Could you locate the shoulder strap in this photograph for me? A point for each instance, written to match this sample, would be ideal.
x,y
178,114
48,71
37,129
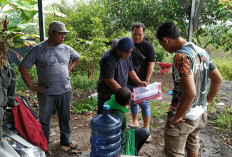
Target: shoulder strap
x,y
11,92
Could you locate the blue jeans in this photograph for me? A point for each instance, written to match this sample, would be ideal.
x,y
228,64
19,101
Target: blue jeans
x,y
63,105
143,105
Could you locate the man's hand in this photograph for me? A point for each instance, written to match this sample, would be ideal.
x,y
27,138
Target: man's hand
x,y
148,82
37,88
172,121
142,83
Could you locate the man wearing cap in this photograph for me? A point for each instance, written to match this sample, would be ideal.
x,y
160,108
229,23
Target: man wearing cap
x,y
143,57
51,59
115,68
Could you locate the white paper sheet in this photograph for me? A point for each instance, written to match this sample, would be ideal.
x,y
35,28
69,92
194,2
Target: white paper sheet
x,y
151,91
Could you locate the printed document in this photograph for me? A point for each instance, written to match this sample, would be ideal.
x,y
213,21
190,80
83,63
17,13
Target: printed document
x,y
151,91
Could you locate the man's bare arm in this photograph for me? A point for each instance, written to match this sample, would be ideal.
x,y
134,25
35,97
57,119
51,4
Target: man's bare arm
x,y
135,78
26,78
73,64
112,84
186,99
216,80
150,70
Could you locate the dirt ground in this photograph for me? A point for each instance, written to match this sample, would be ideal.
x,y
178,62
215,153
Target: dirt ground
x,y
213,143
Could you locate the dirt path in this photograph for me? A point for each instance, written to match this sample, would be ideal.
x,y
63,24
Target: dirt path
x,y
212,142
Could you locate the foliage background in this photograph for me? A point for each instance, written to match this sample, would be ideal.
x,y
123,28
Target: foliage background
x,y
95,23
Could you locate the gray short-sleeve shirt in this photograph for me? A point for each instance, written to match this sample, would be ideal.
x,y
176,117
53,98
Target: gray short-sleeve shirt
x,y
51,65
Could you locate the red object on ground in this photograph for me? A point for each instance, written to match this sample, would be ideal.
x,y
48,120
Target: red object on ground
x,y
164,67
28,127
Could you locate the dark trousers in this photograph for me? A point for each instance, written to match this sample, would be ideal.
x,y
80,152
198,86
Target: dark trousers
x,y
141,135
63,105
102,98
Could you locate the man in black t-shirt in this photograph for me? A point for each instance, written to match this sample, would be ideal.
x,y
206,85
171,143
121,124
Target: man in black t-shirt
x,y
143,57
115,68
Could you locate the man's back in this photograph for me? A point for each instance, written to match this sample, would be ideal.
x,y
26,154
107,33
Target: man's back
x,y
191,60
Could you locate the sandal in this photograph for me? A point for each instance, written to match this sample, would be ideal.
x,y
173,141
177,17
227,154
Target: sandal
x,y
71,146
132,127
149,139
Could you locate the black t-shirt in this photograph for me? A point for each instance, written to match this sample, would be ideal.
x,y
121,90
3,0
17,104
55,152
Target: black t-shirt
x,y
112,66
141,55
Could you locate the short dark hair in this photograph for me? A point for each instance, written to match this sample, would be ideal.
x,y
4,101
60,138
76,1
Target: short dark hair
x,y
167,29
122,96
137,25
49,31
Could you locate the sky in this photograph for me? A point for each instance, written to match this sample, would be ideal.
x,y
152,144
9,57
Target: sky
x,y
56,1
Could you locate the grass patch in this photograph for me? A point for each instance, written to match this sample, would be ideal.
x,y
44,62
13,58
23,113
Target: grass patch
x,y
224,122
225,67
87,105
81,80
221,117
159,109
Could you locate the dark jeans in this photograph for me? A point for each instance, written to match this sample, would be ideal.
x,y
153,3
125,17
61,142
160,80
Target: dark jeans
x,y
141,135
102,98
63,105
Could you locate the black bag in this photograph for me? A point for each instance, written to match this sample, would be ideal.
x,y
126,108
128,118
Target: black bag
x,y
138,60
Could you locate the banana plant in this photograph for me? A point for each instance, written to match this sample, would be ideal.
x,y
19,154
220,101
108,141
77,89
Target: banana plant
x,y
19,27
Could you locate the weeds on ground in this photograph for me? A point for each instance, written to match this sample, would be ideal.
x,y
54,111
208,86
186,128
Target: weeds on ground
x,y
88,105
81,80
165,87
158,109
224,121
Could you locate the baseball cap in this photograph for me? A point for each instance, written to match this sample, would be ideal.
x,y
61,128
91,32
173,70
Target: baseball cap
x,y
58,26
125,44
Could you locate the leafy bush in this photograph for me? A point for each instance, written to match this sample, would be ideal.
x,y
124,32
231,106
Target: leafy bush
x,y
80,79
162,55
90,51
87,105
225,67
20,85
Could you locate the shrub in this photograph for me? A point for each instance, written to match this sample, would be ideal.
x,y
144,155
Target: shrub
x,y
225,67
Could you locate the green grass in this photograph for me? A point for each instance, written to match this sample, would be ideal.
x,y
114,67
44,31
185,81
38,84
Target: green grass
x,y
81,80
225,67
224,121
20,85
158,109
87,105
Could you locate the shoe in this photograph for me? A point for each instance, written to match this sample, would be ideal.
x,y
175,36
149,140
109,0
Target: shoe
x,y
71,146
149,139
132,127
